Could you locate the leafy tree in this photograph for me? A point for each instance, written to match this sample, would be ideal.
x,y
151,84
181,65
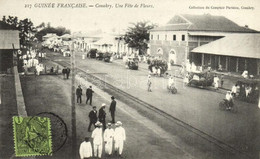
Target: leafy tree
x,y
137,36
25,27
43,30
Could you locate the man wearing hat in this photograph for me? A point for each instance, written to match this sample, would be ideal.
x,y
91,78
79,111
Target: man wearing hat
x,y
97,140
119,138
108,139
89,94
102,115
92,117
85,150
79,93
112,109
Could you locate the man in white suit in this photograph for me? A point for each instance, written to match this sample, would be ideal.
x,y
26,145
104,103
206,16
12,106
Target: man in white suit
x,y
97,136
108,139
119,138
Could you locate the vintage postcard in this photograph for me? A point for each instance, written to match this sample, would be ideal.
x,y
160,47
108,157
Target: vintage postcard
x,y
132,79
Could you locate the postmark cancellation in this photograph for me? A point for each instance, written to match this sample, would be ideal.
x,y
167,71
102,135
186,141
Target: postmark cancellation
x,y
32,136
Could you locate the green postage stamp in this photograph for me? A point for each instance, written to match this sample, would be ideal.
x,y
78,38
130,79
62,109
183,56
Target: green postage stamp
x,y
32,136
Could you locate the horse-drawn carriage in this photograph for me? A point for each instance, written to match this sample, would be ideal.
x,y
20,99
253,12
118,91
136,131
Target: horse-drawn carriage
x,y
200,79
132,63
103,56
92,53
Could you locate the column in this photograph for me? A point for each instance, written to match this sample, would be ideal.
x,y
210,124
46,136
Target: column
x,y
202,60
227,68
246,65
219,60
237,65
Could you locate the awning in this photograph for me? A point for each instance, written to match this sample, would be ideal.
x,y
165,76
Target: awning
x,y
238,45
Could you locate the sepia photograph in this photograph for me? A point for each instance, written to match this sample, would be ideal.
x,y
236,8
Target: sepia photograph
x,y
129,79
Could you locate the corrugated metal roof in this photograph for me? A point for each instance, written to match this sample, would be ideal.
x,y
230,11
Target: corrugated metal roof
x,y
9,37
204,22
239,45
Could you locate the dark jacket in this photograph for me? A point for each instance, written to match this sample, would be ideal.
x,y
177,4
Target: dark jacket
x,y
93,116
64,70
89,92
101,115
112,107
68,70
79,92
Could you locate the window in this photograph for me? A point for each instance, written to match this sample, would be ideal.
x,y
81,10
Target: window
x,y
174,37
151,36
183,38
165,37
158,37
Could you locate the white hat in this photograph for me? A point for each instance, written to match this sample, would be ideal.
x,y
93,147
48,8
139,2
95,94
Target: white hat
x,y
118,123
97,123
103,104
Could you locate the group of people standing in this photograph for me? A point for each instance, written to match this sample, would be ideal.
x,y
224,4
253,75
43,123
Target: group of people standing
x,y
89,94
110,138
103,134
100,116
66,72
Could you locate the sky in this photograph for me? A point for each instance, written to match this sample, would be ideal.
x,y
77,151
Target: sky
x,y
107,19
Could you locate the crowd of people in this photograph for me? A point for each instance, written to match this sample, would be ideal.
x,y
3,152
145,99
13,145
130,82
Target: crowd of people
x,y
103,133
157,67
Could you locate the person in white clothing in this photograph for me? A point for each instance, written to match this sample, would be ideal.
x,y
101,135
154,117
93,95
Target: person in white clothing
x,y
97,140
85,149
245,74
170,81
108,139
234,90
119,138
248,90
216,81
229,100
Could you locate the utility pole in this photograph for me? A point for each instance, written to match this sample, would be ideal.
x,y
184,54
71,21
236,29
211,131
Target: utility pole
x,y
73,111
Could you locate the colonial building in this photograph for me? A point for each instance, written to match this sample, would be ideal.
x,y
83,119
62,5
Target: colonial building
x,y
9,44
113,43
174,41
232,53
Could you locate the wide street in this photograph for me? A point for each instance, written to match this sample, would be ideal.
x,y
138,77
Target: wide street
x,y
195,106
149,135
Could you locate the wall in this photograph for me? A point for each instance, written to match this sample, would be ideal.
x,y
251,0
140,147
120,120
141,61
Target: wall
x,y
6,60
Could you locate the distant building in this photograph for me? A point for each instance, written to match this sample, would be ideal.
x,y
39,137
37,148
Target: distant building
x,y
104,42
48,36
174,41
9,44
